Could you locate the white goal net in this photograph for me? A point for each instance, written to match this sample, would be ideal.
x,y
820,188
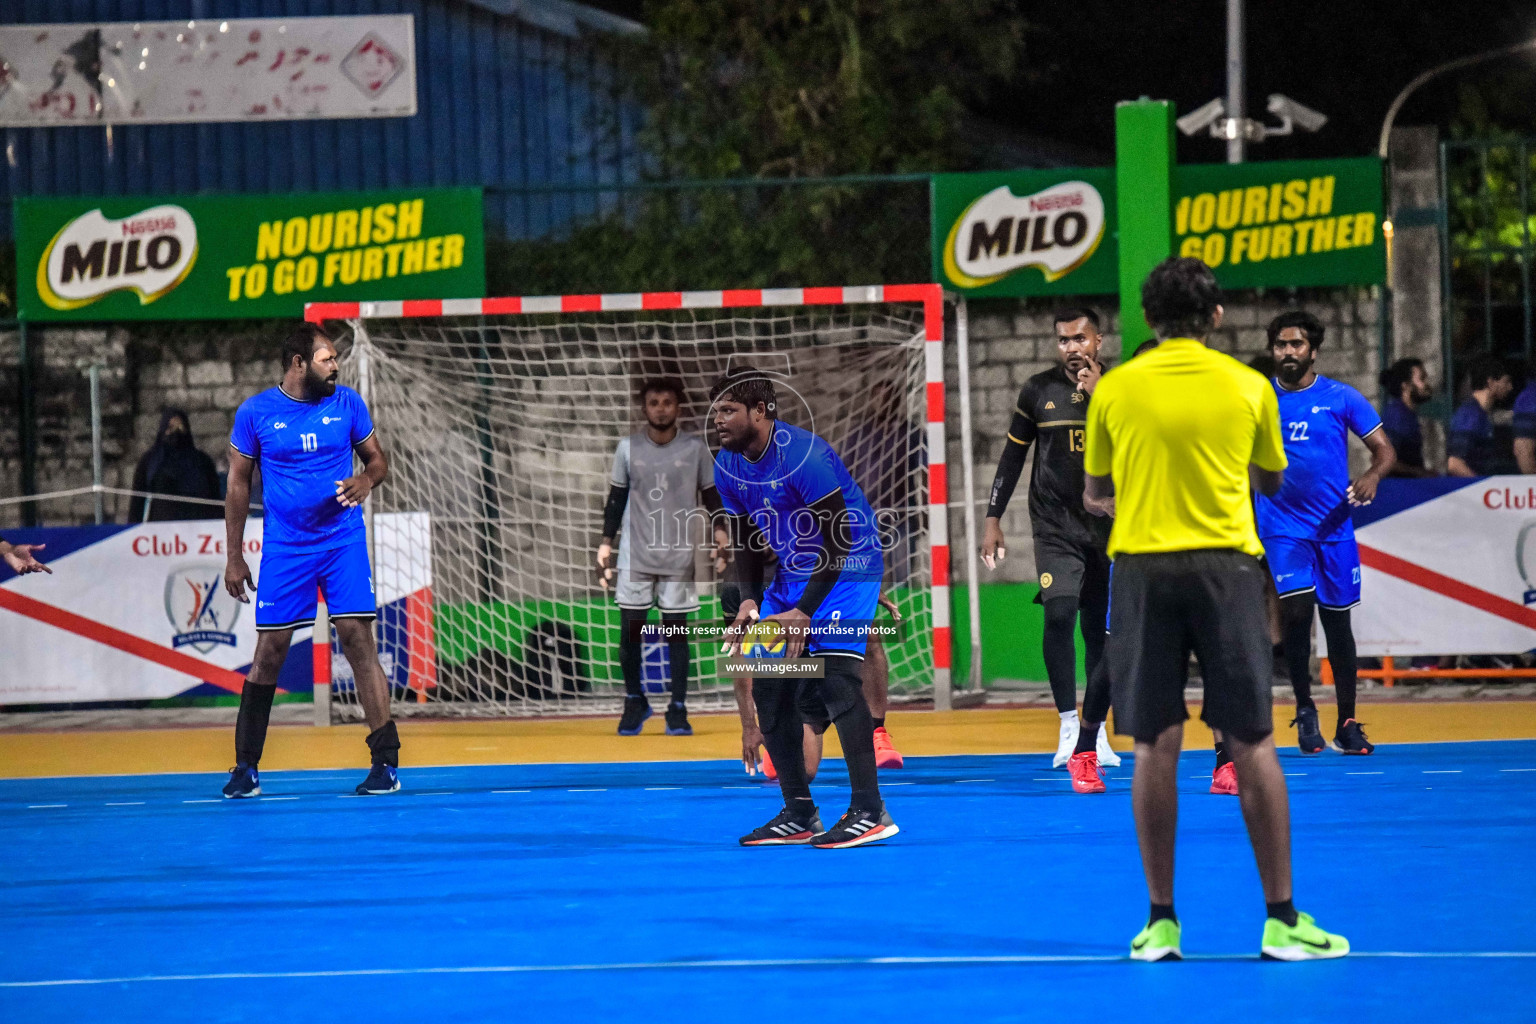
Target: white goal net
x,y
500,427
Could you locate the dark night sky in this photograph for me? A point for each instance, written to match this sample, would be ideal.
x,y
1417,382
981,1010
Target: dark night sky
x,y
1346,58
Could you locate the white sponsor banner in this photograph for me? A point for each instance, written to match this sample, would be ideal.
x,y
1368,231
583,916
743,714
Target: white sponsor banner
x,y
1455,574
244,69
157,589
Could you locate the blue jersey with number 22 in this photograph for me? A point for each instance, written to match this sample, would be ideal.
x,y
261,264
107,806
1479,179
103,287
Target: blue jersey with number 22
x,y
303,449
1315,423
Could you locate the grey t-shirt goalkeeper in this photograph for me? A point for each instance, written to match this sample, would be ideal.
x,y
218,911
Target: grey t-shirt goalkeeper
x,y
664,482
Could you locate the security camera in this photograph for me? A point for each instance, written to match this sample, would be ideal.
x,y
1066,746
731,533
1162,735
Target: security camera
x,y
1201,118
1288,110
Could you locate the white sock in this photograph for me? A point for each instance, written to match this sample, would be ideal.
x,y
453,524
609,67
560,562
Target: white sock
x,y
1069,716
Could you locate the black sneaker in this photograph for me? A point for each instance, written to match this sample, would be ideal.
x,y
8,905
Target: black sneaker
x,y
243,782
855,829
1350,739
381,779
785,830
636,711
1308,736
677,720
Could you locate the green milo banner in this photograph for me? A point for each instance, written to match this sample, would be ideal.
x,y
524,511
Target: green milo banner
x,y
209,257
1280,224
1025,232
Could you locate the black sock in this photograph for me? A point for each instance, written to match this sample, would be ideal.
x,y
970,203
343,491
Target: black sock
x,y
1060,650
1296,629
879,722
1222,757
677,658
783,737
856,732
251,723
1162,912
1341,657
1284,911
384,745
1087,736
630,622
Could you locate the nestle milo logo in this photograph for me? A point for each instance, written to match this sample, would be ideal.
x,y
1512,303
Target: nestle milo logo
x,y
92,256
1055,229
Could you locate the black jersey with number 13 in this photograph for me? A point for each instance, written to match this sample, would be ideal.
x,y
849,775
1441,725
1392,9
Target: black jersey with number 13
x,y
1052,414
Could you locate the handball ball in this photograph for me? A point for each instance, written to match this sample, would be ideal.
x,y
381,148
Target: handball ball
x,y
763,639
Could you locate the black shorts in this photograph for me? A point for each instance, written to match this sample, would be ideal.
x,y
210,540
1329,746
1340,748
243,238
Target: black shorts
x,y
1071,564
816,701
1167,606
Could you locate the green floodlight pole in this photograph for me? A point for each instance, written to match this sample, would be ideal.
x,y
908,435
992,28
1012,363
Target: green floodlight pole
x,y
1143,169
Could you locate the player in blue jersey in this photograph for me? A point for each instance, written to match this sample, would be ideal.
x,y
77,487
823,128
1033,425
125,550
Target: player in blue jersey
x,y
304,434
1309,538
785,488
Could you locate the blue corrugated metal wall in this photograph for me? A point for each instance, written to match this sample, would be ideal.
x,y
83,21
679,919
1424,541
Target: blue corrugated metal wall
x,y
500,102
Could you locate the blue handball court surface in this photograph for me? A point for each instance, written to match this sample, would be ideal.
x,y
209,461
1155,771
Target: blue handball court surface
x,y
617,892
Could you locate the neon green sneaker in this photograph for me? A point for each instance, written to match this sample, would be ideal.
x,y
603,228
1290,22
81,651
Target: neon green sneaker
x,y
1159,940
1306,941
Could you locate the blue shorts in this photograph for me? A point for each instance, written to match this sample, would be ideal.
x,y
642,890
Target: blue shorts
x,y
285,592
1330,567
841,622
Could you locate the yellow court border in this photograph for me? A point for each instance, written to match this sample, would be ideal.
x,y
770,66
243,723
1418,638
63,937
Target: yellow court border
x,y
717,736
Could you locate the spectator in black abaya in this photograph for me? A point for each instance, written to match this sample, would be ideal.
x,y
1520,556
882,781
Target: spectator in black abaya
x,y
174,467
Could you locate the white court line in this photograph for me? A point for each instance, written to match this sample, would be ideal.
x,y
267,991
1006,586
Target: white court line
x,y
888,785
1365,773
204,801
586,791
975,780
125,803
39,807
661,789
1295,775
1517,769
660,965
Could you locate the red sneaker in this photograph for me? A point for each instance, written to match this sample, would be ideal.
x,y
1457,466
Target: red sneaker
x,y
886,754
1085,772
1224,780
765,766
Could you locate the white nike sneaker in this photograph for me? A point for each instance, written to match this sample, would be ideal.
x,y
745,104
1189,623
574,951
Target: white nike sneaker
x,y
1107,756
1067,743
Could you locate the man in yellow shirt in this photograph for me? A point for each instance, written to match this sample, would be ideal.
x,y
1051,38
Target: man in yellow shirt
x,y
1175,437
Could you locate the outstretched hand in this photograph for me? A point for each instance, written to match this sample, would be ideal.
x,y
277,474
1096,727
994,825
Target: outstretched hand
x,y
22,561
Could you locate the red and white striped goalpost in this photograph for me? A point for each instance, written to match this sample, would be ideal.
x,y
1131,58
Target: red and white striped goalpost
x,y
931,296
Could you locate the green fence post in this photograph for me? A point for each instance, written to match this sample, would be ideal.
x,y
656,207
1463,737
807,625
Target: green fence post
x,y
1144,183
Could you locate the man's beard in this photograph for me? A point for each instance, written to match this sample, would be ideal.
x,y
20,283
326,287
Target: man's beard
x,y
1292,371
1075,364
318,386
737,445
661,424
1419,397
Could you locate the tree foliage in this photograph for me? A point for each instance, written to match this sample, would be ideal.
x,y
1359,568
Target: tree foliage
x,y
770,89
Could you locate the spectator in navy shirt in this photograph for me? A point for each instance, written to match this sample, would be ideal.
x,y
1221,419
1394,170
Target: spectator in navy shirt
x,y
1406,386
1525,426
1471,448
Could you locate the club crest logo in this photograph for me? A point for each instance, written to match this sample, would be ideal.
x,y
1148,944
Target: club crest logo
x,y
1055,229
201,611
93,256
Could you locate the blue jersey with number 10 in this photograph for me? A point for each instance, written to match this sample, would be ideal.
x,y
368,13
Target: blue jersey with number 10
x,y
303,449
1315,423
